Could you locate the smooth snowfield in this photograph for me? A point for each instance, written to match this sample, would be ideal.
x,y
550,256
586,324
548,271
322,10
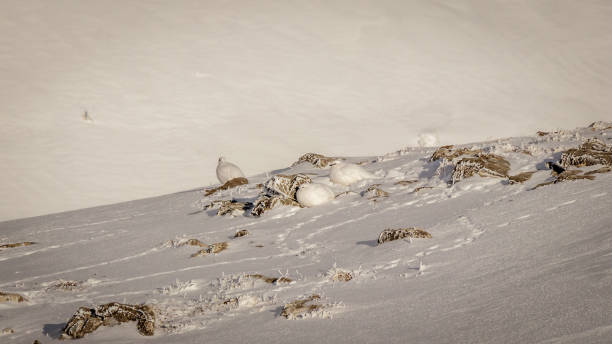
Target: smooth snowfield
x,y
170,85
505,264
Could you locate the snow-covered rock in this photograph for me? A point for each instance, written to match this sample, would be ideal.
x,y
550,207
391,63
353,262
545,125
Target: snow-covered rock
x,y
227,171
311,195
346,173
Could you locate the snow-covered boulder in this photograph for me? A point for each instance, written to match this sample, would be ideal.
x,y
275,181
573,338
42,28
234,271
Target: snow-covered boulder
x,y
313,194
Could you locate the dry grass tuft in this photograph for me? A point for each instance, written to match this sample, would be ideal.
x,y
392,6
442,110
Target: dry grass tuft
x,y
318,160
341,276
191,242
87,320
565,176
406,182
271,280
279,190
604,169
7,330
301,308
241,233
543,133
448,153
521,177
18,244
232,183
400,233
422,188
211,249
591,152
485,165
65,285
11,298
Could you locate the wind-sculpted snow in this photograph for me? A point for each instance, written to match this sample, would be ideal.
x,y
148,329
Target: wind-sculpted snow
x,y
481,251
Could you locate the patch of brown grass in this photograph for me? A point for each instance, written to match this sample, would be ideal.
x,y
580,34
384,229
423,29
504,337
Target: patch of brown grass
x,y
591,152
17,244
565,176
485,165
450,153
400,233
422,188
7,330
405,182
241,233
211,249
318,160
271,280
604,169
521,177
232,183
87,320
341,276
301,308
11,298
191,242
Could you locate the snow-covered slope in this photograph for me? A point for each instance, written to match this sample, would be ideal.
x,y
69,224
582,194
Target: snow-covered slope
x,y
170,85
505,263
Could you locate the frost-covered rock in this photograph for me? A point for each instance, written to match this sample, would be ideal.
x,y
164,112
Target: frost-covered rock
x,y
313,194
346,173
87,320
227,171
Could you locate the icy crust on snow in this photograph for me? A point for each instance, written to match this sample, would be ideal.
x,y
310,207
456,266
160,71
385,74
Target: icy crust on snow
x,y
480,239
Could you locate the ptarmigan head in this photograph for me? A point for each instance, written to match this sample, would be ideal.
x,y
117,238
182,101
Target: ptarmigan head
x,y
221,159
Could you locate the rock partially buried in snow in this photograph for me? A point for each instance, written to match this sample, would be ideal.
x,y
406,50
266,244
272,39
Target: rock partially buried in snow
x,y
227,171
346,173
314,194
318,160
11,298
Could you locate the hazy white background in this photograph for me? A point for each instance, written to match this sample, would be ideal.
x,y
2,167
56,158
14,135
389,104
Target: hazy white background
x,y
173,85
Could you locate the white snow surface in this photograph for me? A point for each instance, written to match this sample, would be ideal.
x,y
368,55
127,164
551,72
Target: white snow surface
x,y
505,264
314,194
169,86
227,171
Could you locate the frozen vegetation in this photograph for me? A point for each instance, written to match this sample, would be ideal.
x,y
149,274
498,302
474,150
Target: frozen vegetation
x,y
416,255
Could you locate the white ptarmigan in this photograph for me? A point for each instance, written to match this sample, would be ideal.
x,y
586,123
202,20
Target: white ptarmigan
x,y
227,171
346,173
313,194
